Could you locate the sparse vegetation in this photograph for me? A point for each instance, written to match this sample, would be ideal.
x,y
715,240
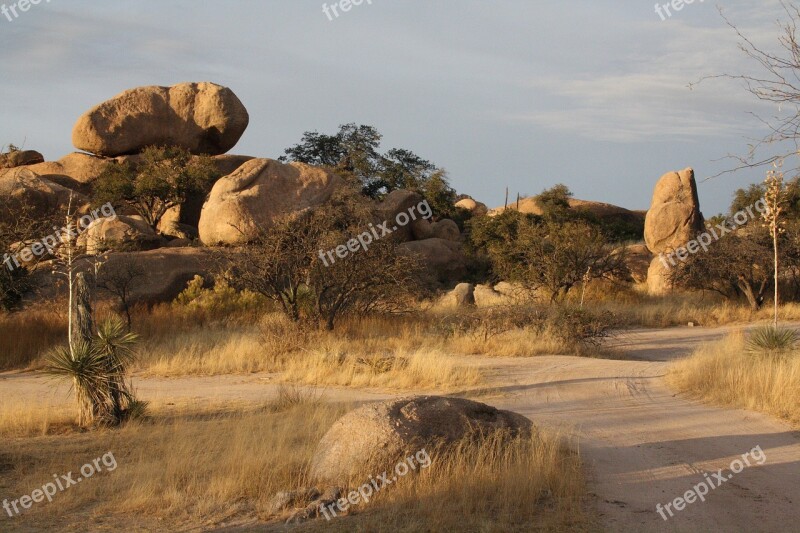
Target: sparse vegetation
x,y
217,466
726,373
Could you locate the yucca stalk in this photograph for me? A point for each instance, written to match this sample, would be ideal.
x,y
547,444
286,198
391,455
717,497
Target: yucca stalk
x,y
774,198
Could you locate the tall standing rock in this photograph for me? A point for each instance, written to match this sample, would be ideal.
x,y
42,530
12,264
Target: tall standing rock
x,y
674,217
673,220
203,118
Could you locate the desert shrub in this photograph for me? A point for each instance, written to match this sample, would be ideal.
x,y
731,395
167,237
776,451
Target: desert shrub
x,y
724,373
97,370
219,300
772,340
165,177
572,327
483,324
579,326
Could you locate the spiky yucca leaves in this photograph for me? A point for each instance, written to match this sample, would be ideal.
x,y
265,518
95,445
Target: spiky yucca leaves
x,y
86,366
97,370
116,344
772,340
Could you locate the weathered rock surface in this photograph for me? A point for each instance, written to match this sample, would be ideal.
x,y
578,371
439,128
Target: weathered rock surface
x,y
403,201
19,158
24,191
374,438
443,257
203,118
478,209
658,282
82,168
167,271
121,233
674,217
257,193
446,229
638,259
464,294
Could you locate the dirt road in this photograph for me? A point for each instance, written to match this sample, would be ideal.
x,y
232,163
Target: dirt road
x,y
643,445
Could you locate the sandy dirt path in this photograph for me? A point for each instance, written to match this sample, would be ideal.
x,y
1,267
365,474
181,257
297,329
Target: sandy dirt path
x,y
643,444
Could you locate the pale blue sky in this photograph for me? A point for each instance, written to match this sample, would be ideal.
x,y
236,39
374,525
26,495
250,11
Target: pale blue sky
x,y
517,93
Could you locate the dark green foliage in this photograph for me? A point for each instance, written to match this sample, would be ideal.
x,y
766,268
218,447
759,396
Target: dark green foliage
x,y
542,253
164,178
354,153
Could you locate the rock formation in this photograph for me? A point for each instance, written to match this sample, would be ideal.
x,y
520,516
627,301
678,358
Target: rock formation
x,y
203,118
373,438
258,192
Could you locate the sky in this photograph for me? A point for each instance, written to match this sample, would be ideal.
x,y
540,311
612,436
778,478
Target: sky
x,y
521,94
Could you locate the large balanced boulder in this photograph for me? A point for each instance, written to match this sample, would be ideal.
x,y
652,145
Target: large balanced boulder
x,y
374,438
674,217
203,118
257,193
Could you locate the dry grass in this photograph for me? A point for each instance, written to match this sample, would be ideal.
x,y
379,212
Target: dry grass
x,y
635,308
25,336
18,419
202,470
724,373
308,356
492,486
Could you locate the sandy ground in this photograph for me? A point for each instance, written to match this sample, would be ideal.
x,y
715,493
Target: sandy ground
x,y
643,444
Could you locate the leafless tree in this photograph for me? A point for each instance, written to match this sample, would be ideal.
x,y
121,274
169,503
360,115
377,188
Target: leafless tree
x,y
119,276
777,83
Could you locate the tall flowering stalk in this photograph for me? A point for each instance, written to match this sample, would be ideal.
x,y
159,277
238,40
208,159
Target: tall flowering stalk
x,y
775,198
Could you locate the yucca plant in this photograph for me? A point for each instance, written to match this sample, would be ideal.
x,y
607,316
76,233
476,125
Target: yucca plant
x,y
86,366
772,340
116,344
97,370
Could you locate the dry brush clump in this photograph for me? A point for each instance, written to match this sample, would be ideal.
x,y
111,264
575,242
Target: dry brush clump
x,y
215,468
728,373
